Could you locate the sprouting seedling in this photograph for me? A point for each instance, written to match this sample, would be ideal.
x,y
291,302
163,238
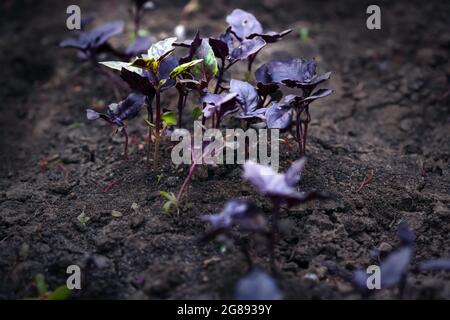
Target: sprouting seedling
x,y
60,293
90,44
295,73
171,203
237,213
394,268
151,75
280,189
258,285
137,11
117,113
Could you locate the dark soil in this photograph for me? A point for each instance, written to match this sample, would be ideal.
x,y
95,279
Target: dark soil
x,y
389,115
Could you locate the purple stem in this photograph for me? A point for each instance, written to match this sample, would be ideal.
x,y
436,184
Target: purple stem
x,y
187,181
125,134
274,232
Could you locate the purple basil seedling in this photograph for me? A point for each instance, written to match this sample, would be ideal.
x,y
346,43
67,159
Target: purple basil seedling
x,y
91,43
236,213
394,268
295,73
117,113
152,74
137,10
280,189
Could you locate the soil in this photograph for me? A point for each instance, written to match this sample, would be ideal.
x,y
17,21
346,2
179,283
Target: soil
x,y
389,115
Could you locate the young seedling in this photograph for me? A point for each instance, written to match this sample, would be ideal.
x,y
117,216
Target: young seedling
x,y
60,293
171,203
280,189
151,75
394,268
236,213
117,113
137,11
91,44
295,73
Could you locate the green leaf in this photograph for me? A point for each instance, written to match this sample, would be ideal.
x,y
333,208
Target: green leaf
x,y
40,284
145,63
209,68
166,206
116,214
74,125
161,49
118,65
304,35
162,82
169,119
151,125
183,67
143,33
169,196
196,113
83,218
60,293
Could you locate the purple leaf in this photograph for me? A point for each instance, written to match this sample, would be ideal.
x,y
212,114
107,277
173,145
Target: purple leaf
x,y
118,112
138,82
248,98
92,115
393,270
441,264
94,39
228,38
222,105
247,48
321,93
395,267
247,95
293,73
193,46
293,174
243,23
235,212
219,47
266,89
270,36
258,285
279,186
278,116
